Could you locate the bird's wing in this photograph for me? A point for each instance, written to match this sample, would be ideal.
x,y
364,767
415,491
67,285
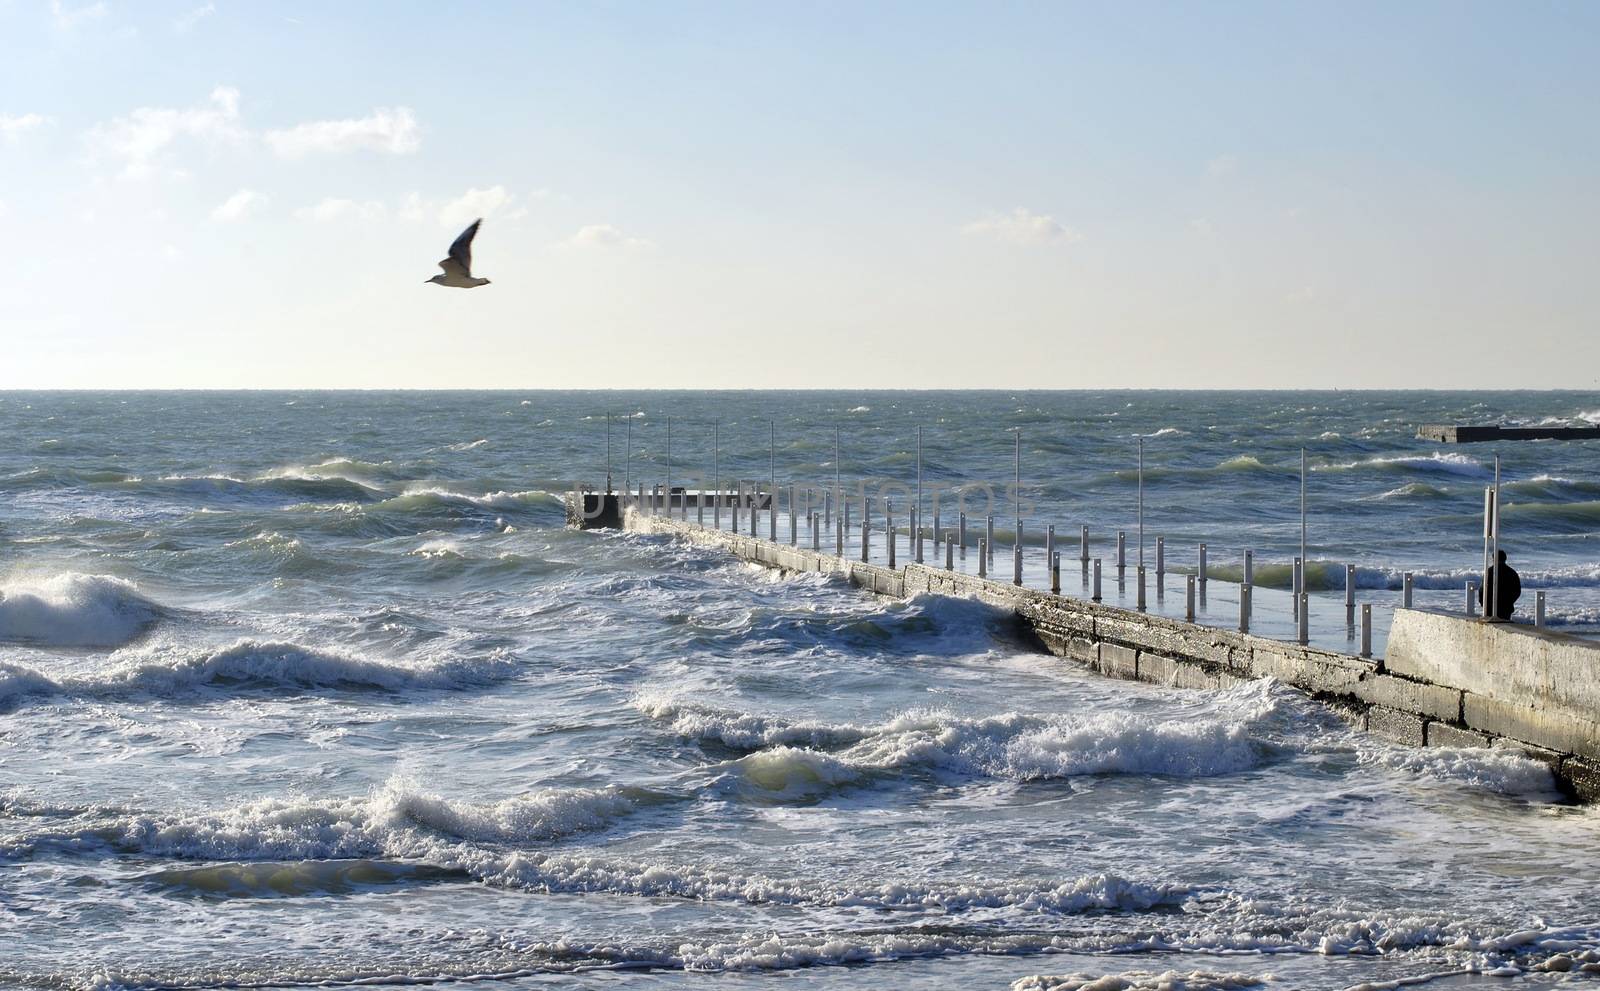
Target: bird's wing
x,y
454,268
461,249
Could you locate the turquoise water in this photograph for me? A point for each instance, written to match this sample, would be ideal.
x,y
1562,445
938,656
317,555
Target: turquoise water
x,y
309,689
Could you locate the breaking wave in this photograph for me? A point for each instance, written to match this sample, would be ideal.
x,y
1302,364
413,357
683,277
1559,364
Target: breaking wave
x,y
167,672
797,759
72,610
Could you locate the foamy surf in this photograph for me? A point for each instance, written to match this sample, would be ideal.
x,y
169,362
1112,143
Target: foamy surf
x,y
1011,746
73,610
167,671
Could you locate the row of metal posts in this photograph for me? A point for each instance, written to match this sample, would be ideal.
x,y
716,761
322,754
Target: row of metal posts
x,y
986,545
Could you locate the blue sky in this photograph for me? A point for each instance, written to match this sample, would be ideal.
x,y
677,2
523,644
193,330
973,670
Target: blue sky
x,y
221,194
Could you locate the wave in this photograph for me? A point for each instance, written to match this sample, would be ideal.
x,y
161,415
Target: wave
x,y
490,842
269,488
73,610
433,496
1415,490
1443,463
249,664
296,879
1577,515
1011,746
1551,487
1172,980
1502,771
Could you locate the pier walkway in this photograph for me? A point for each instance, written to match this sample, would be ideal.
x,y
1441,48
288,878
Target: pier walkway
x,y
1419,702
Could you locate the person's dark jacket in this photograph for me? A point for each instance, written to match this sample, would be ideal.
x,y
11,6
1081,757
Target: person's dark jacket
x,y
1507,589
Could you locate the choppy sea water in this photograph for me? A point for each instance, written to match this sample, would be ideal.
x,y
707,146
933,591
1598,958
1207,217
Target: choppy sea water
x,y
310,689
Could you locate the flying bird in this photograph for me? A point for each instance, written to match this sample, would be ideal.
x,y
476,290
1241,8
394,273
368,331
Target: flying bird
x,y
458,267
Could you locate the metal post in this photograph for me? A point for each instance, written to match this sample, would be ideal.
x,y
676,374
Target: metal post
x,y
1538,609
816,531
1188,598
961,533
840,527
1055,573
838,492
1366,629
608,453
866,538
983,558
1249,567
1018,543
1122,553
716,478
949,555
669,466
1303,557
1016,564
755,506
1161,563
1141,587
1472,597
1349,586
989,535
1244,608
1083,546
1050,542
1297,584
916,515
1096,596
794,515
772,512
1405,590
888,528
1017,489
937,532
1201,570
627,470
1305,619
700,506
1141,508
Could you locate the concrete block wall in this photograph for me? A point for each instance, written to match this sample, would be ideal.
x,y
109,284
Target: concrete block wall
x,y
1403,705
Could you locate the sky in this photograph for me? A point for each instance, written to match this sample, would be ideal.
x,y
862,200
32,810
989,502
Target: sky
x,y
218,194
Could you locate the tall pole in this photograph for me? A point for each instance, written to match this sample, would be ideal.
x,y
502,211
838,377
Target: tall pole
x,y
1305,563
838,493
716,479
608,453
1017,489
1491,591
916,517
772,454
627,470
1141,502
669,466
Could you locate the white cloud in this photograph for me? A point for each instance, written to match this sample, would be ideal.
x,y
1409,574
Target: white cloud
x,y
606,236
14,126
185,23
332,209
1021,227
1222,165
241,205
474,203
390,130
68,18
141,139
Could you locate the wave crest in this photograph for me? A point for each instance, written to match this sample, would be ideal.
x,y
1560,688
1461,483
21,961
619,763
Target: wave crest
x,y
72,610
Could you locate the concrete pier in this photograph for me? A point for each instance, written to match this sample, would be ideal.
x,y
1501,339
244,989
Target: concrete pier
x,y
1448,680
1456,433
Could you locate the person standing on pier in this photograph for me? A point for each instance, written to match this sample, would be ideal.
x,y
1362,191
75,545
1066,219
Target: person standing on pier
x,y
1507,590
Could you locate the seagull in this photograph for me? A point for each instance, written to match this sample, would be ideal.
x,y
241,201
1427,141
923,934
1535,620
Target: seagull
x,y
458,267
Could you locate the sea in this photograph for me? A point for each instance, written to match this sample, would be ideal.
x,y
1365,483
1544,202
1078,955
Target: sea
x,y
317,689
